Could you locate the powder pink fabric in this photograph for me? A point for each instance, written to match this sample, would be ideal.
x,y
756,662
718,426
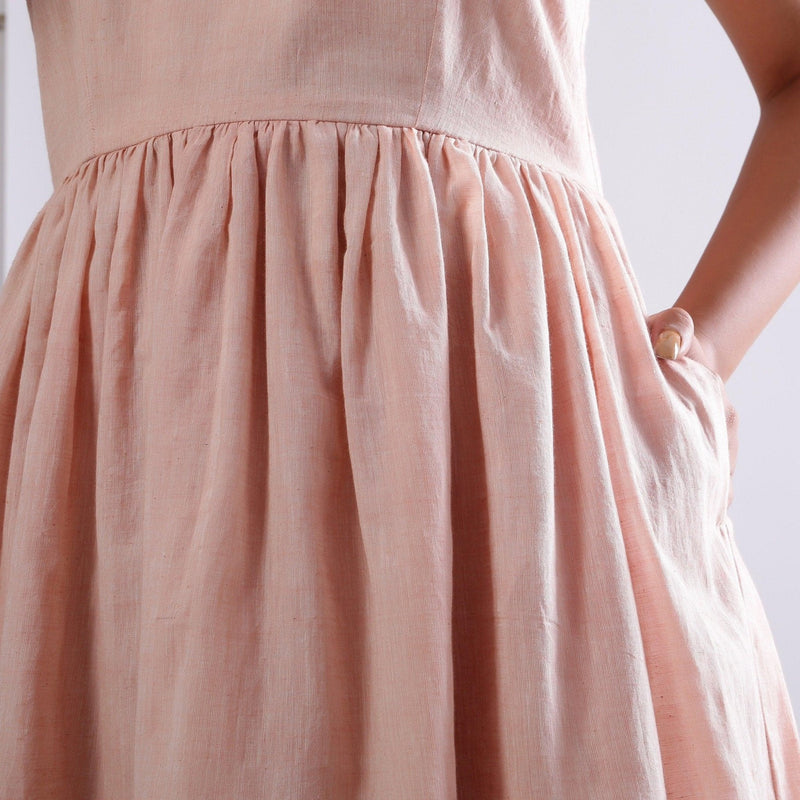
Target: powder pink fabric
x,y
335,459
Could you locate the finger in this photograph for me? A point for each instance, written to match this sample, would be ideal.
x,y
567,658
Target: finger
x,y
671,332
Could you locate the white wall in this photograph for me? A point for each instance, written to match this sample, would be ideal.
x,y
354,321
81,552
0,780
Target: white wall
x,y
26,182
2,123
673,114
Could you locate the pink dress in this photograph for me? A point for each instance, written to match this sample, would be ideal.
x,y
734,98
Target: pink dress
x,y
335,459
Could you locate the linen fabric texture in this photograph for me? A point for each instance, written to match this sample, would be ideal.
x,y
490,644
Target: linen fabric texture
x,y
335,459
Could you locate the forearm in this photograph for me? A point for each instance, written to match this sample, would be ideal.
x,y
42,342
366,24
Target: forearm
x,y
752,261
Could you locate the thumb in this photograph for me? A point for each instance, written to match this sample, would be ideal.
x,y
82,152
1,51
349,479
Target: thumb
x,y
671,331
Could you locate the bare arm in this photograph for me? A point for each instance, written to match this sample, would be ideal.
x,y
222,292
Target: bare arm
x,y
752,261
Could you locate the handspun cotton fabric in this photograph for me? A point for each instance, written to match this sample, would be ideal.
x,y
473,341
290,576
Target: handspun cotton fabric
x,y
335,459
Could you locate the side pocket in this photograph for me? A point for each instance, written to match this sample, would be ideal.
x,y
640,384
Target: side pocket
x,y
729,414
703,388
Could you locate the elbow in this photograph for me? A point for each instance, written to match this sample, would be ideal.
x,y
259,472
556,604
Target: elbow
x,y
785,81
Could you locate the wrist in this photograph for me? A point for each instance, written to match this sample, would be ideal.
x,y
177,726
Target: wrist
x,y
709,355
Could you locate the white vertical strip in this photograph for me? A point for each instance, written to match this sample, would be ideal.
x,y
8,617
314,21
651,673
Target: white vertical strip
x,y
26,180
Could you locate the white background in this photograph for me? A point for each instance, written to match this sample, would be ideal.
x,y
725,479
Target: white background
x,y
673,114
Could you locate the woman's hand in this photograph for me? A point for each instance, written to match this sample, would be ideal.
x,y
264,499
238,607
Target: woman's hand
x,y
673,335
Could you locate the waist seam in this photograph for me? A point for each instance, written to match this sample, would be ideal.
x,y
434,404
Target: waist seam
x,y
426,131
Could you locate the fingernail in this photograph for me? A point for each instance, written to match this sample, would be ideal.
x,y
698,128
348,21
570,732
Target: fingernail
x,y
668,344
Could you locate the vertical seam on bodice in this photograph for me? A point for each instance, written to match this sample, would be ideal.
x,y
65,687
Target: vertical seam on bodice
x,y
85,77
427,62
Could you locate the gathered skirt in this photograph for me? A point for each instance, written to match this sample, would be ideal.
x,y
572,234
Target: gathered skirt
x,y
336,462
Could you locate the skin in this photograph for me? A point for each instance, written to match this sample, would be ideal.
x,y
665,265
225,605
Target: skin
x,y
752,261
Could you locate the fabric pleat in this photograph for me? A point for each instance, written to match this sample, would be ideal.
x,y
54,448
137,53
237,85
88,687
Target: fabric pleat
x,y
335,462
